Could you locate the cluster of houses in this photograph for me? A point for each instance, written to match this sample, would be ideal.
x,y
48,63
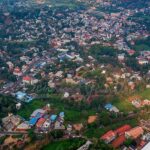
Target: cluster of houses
x,y
138,102
102,30
83,29
45,122
119,136
23,97
41,119
11,122
144,58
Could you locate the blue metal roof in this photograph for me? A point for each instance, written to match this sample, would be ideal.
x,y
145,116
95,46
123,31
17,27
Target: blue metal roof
x,y
38,115
20,95
61,114
33,121
108,106
53,117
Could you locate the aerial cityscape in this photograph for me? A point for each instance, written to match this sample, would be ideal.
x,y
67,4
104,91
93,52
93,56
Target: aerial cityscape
x,y
74,75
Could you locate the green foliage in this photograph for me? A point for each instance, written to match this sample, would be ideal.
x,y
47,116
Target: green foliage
x,y
143,44
85,89
56,134
6,75
73,111
100,145
98,102
105,119
128,142
7,105
41,88
98,50
18,136
69,144
66,64
122,104
2,139
100,80
32,135
132,62
92,132
106,55
27,109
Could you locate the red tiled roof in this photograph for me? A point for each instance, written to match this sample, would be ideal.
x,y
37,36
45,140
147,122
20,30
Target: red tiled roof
x,y
122,129
17,70
40,122
108,135
131,51
142,143
27,78
135,132
119,141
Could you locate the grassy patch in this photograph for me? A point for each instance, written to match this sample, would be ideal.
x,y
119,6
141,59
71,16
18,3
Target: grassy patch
x,y
145,94
73,115
76,116
65,144
123,105
95,132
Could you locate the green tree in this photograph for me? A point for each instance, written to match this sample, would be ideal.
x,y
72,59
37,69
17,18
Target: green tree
x,y
56,134
32,135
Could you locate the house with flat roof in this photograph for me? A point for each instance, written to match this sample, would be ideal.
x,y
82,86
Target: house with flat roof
x,y
23,126
11,122
111,108
146,147
118,141
134,133
108,136
53,117
38,113
121,130
33,121
22,96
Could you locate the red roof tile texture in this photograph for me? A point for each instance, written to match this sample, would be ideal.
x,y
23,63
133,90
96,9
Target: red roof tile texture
x,y
40,122
118,141
108,135
135,132
122,129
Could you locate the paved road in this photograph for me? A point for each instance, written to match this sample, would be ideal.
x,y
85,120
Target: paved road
x,y
12,133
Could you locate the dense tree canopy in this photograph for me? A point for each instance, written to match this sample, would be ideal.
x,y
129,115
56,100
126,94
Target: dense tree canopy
x,y
7,105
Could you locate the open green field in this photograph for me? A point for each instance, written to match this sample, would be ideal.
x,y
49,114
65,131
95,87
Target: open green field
x,y
69,144
145,94
123,105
